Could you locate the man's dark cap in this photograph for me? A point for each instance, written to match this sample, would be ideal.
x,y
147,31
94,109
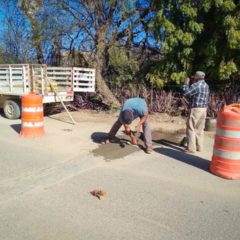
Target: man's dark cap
x,y
127,116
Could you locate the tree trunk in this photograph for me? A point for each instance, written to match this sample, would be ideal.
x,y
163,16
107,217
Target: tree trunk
x,y
40,58
37,39
100,64
56,51
102,87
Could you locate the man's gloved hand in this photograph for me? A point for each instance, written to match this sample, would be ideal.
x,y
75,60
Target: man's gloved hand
x,y
127,130
133,140
131,135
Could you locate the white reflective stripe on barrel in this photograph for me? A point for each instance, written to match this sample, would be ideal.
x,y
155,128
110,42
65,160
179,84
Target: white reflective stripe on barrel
x,y
228,133
32,109
32,124
225,154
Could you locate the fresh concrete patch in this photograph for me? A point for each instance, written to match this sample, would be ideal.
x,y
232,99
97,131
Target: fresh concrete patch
x,y
122,148
113,151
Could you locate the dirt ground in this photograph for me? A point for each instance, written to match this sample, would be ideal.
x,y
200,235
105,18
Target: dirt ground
x,y
166,130
159,122
163,127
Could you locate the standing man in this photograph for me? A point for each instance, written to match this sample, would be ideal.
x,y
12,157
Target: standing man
x,y
198,94
132,109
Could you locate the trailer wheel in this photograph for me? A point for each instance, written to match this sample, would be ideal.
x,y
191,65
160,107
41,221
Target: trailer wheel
x,y
12,109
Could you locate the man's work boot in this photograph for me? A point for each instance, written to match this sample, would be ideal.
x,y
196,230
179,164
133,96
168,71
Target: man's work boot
x,y
190,151
149,149
184,142
199,149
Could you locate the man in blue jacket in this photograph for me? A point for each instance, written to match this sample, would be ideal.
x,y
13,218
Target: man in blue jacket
x,y
133,108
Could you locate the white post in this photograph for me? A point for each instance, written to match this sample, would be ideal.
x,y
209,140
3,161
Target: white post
x,y
10,78
42,78
24,79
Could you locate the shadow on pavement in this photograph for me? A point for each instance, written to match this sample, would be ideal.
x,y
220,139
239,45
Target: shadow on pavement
x,y
97,137
168,143
122,140
181,156
16,127
2,113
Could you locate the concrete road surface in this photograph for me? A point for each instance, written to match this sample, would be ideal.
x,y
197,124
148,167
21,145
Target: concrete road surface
x,y
168,195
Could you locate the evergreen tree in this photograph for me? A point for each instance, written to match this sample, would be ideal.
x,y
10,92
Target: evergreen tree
x,y
194,35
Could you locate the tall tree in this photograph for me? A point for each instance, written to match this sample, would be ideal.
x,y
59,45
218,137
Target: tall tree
x,y
86,26
30,8
14,40
101,24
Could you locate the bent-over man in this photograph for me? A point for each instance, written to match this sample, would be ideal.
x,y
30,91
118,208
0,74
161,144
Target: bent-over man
x,y
133,108
198,94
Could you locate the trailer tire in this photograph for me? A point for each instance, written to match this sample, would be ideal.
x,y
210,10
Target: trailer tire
x,y
12,109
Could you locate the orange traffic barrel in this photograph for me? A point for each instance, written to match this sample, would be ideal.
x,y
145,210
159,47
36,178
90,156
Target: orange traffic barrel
x,y
32,116
226,153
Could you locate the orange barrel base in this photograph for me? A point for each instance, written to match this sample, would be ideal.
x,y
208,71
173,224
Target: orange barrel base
x,y
226,154
32,116
225,168
28,132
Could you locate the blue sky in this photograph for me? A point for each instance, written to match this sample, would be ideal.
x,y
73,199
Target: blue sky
x,y
1,20
140,36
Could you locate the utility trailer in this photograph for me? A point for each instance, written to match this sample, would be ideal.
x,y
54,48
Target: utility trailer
x,y
55,84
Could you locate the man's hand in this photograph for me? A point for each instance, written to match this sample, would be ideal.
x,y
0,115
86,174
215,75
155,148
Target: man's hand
x,y
133,140
187,81
130,134
127,129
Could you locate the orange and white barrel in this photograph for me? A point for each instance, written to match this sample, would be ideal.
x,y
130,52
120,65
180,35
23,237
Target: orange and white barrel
x,y
32,116
226,153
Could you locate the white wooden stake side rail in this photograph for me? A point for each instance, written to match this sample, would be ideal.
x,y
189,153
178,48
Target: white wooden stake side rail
x,y
15,79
